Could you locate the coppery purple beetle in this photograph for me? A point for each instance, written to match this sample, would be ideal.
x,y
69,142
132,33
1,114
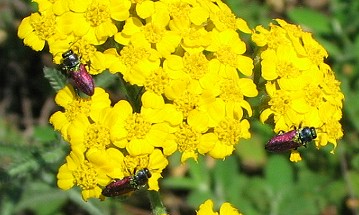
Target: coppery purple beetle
x,y
77,73
291,140
127,184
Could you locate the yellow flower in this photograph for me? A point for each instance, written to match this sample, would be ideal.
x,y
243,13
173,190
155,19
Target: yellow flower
x,y
77,108
274,38
137,63
94,19
284,63
227,135
96,61
154,162
226,209
190,141
58,7
302,89
295,156
281,103
94,133
228,50
136,131
223,18
151,34
89,174
233,92
37,28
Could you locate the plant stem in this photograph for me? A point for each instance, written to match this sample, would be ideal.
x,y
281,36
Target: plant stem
x,y
156,203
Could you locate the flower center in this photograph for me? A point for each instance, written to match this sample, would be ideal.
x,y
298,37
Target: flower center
x,y
280,102
230,91
135,163
196,65
187,138
130,55
226,56
228,131
43,25
179,10
97,136
137,127
157,81
97,14
313,96
153,33
228,19
78,107
86,176
186,102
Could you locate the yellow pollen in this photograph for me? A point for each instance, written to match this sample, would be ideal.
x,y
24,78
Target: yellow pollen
x,y
44,26
280,102
85,49
85,176
130,55
186,103
133,164
226,56
97,14
186,138
152,33
230,91
179,10
195,65
314,54
287,70
228,131
276,37
228,19
77,107
313,96
332,129
157,81
97,136
137,127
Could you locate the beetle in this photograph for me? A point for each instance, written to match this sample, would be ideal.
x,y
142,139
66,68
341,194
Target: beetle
x,y
77,73
127,184
291,140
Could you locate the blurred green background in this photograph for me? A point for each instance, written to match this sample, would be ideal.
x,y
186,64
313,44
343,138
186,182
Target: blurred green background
x,y
254,181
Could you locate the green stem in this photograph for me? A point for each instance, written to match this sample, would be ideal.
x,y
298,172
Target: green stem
x,y
156,203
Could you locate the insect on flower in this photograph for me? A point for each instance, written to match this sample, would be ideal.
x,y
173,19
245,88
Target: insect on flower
x,y
127,184
77,73
291,139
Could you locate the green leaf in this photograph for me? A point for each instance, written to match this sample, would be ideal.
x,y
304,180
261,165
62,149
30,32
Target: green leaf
x,y
354,178
179,183
355,162
279,173
90,206
224,175
259,193
56,78
196,198
37,193
44,134
296,202
252,152
105,79
312,19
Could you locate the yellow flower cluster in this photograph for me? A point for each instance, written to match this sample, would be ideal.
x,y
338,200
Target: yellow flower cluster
x,y
302,89
106,142
226,209
190,60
